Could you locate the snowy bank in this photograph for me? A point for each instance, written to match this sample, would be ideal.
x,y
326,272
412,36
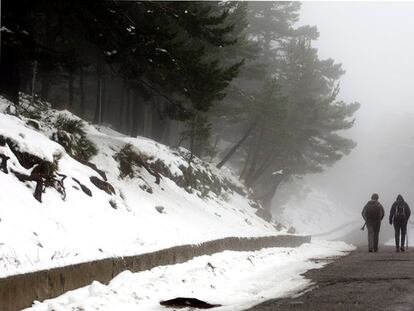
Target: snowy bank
x,y
235,280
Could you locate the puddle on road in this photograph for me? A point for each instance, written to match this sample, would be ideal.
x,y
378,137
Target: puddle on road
x,y
325,260
390,260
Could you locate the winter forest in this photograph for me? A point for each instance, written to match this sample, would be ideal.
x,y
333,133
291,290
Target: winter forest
x,y
236,83
159,155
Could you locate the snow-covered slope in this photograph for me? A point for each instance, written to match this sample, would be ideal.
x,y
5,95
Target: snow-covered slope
x,y
316,213
142,215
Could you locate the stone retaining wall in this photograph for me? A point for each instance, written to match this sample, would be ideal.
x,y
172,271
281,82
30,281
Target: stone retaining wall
x,y
19,291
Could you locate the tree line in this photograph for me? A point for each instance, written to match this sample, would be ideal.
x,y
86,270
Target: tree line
x,y
237,83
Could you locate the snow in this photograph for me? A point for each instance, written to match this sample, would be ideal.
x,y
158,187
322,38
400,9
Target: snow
x,y
317,214
279,172
161,50
79,228
5,29
27,139
75,228
235,280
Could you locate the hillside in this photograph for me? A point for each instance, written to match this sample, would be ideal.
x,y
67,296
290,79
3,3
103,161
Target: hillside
x,y
57,208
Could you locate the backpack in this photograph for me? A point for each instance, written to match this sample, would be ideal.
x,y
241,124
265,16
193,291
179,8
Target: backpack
x,y
400,211
373,211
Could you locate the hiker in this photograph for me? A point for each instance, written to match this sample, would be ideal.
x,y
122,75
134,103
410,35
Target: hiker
x,y
373,213
399,214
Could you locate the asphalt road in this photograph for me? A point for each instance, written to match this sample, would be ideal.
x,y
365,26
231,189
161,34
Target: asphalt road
x,y
358,281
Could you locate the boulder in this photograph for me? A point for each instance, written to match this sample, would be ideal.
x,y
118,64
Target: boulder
x,y
103,185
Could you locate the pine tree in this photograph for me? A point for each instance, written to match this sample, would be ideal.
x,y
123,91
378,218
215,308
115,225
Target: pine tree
x,y
281,115
158,48
313,119
17,46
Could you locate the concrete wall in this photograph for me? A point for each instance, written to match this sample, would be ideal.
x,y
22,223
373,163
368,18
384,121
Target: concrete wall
x,y
19,291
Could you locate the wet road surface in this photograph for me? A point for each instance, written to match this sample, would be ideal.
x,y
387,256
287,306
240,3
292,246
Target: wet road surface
x,y
358,281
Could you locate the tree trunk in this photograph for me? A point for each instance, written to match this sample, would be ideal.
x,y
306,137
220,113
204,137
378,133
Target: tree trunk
x,y
82,91
34,75
236,146
104,100
9,73
192,138
70,90
165,137
246,163
267,39
259,171
213,153
98,106
46,68
135,110
254,158
44,90
127,124
121,106
266,199
148,120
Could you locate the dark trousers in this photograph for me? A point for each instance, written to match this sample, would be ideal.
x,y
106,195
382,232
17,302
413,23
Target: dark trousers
x,y
400,227
373,227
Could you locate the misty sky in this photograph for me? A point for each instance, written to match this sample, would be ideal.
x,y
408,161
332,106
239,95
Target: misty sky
x,y
375,43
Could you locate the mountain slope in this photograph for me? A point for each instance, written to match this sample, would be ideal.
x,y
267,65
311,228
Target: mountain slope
x,y
162,202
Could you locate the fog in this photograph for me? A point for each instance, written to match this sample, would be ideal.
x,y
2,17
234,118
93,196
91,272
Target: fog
x,y
373,41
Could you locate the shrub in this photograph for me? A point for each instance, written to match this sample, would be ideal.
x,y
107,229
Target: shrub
x,y
71,126
197,178
126,158
71,135
31,114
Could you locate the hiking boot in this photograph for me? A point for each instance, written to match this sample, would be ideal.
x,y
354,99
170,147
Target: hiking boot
x,y
397,250
402,249
370,250
375,249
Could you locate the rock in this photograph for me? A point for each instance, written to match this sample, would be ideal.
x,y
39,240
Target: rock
x,y
113,204
94,167
278,226
11,110
160,209
209,265
103,185
291,230
26,160
184,302
3,164
85,189
33,124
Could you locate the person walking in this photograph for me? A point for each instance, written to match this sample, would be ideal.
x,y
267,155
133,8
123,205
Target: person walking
x,y
373,213
399,215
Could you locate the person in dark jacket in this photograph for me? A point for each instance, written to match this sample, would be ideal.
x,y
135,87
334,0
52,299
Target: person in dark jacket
x,y
399,215
373,213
